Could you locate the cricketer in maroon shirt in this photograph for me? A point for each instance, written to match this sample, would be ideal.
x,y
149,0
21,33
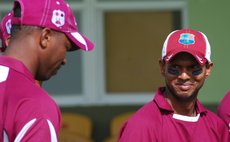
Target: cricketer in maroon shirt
x,y
42,32
175,114
156,122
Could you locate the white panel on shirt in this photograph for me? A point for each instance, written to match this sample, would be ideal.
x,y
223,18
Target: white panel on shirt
x,y
5,137
229,127
186,118
29,124
52,132
24,130
4,71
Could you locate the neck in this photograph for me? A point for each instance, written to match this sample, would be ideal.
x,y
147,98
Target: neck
x,y
23,54
187,108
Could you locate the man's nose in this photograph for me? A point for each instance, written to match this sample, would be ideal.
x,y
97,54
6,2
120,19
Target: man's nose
x,y
184,75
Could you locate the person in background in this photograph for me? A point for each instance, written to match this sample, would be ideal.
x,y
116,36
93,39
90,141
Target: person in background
x,y
5,30
175,114
223,109
42,32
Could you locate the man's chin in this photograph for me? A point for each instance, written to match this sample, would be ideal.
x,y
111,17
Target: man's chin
x,y
186,96
45,78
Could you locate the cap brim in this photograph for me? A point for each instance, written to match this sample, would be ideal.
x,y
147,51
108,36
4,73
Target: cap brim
x,y
196,55
80,41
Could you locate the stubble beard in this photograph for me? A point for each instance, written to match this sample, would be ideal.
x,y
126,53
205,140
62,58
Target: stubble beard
x,y
183,98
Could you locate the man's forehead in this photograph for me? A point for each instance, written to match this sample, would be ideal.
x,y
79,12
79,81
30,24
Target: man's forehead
x,y
182,57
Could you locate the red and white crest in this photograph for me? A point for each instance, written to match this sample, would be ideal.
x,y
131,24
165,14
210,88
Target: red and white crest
x,y
58,18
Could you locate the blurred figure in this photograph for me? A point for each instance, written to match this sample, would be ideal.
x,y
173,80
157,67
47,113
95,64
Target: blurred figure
x,y
223,109
5,31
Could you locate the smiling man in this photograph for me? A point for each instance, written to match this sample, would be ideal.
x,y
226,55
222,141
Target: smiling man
x,y
175,114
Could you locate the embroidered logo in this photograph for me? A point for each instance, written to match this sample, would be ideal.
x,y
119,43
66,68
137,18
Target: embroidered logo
x,y
58,18
8,26
187,38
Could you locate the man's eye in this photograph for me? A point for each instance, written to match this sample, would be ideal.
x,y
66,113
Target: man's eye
x,y
173,71
197,72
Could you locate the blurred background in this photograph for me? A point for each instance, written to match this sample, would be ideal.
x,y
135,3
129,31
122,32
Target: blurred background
x,y
104,87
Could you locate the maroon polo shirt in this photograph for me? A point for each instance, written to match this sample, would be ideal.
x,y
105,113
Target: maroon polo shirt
x,y
27,112
156,122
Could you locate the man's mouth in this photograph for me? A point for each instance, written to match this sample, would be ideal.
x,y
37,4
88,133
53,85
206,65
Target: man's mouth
x,y
185,86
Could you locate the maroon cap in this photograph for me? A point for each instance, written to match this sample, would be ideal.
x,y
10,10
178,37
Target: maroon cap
x,y
5,30
187,40
53,14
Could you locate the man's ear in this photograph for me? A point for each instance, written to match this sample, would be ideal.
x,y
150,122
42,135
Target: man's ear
x,y
7,41
45,37
208,69
162,66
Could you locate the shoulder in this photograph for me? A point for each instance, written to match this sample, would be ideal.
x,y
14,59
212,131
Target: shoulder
x,y
24,92
146,118
40,103
143,125
28,101
224,104
149,113
217,126
43,110
208,116
213,120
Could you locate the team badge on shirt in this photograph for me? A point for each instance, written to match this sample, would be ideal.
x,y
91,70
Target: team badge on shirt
x,y
58,18
187,38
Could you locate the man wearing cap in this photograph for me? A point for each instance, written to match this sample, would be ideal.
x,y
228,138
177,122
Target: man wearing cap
x,y
42,33
175,114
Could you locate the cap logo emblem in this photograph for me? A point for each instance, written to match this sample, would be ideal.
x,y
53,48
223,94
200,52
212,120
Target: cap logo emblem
x,y
187,38
8,26
58,18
